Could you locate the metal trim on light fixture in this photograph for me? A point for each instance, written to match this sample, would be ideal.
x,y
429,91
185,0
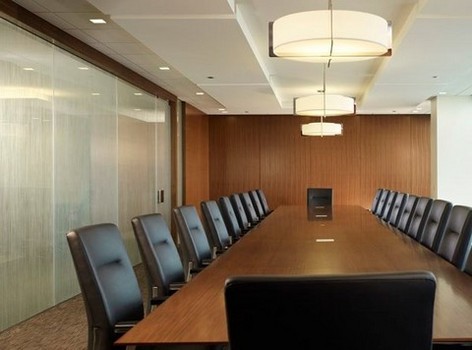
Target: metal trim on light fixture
x,y
312,35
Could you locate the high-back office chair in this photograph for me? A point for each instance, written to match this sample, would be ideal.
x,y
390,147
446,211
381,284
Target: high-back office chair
x,y
436,224
240,212
160,257
467,265
249,208
319,197
383,199
375,200
455,241
110,290
356,312
418,218
198,252
397,209
388,206
216,226
265,204
256,202
407,213
230,218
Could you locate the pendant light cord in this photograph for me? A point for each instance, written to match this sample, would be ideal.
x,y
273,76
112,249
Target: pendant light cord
x,y
330,8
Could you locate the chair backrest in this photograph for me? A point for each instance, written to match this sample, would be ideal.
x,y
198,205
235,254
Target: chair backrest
x,y
216,225
358,312
159,253
383,199
467,265
454,243
387,211
407,213
249,207
397,208
240,212
193,235
231,221
375,200
107,280
256,202
418,218
319,197
265,204
436,224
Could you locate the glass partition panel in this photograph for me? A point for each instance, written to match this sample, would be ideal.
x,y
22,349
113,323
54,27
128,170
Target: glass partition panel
x,y
77,147
136,159
26,229
85,157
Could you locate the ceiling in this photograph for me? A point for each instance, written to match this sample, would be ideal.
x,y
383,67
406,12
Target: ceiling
x,y
220,48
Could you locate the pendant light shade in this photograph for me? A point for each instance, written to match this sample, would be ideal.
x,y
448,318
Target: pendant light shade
x,y
325,105
330,35
322,129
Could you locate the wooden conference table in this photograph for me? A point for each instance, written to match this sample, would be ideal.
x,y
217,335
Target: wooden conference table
x,y
293,241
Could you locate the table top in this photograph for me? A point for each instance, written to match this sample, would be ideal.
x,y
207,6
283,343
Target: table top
x,y
296,241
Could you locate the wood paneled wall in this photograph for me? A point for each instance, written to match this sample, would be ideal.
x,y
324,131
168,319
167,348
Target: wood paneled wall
x,y
268,152
196,156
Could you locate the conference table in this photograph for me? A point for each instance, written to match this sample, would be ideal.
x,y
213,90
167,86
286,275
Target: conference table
x,y
296,240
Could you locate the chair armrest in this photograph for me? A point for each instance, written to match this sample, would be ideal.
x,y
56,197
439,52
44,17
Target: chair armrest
x,y
124,326
176,286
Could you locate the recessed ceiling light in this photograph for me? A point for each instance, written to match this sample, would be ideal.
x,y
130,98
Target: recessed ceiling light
x,y
222,109
28,68
137,94
200,93
442,93
137,109
164,68
97,21
83,68
95,94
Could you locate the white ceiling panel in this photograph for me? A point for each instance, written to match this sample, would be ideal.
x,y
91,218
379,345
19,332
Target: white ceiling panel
x,y
221,47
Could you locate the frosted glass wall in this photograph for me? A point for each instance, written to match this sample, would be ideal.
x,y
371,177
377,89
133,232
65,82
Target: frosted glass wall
x,y
77,147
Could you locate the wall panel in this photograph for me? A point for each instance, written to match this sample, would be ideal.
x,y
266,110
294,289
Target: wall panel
x,y
196,157
269,152
234,154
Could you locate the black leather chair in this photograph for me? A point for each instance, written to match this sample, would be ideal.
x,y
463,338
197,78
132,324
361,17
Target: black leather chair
x,y
455,241
383,199
256,202
436,224
319,197
249,208
110,290
375,200
356,312
238,208
265,204
407,213
197,251
388,206
229,216
162,263
215,225
397,209
418,218
467,265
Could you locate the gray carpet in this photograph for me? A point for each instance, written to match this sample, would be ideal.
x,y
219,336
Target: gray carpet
x,y
63,326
